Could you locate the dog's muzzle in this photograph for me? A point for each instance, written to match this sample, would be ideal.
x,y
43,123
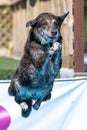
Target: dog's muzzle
x,y
46,39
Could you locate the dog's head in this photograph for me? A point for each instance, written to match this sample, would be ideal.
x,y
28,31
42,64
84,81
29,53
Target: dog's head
x,y
46,27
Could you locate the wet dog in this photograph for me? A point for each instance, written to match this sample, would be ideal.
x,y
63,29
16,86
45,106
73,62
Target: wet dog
x,y
40,64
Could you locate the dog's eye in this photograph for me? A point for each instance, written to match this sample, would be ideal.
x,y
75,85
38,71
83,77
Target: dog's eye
x,y
45,23
55,24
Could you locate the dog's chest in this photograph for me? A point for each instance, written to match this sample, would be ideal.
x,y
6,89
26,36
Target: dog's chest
x,y
36,52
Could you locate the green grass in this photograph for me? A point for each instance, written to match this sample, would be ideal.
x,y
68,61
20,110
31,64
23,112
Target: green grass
x,y
7,67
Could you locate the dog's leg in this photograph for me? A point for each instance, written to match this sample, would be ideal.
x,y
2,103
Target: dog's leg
x,y
46,97
57,62
54,65
37,104
45,65
39,101
26,106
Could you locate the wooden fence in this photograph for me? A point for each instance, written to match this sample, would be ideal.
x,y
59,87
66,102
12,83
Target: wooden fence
x,y
5,25
19,27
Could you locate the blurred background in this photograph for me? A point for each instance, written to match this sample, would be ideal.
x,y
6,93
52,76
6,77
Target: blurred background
x,y
13,32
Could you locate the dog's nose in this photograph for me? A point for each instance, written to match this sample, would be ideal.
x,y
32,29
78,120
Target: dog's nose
x,y
54,33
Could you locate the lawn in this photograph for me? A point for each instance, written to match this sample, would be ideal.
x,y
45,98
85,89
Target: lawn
x,y
7,67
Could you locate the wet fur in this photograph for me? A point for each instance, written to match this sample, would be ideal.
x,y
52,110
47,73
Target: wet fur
x,y
39,66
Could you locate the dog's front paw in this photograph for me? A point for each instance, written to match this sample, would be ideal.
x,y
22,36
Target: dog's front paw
x,y
55,47
51,50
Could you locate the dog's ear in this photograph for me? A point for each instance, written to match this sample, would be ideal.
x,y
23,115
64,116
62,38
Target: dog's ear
x,y
31,23
61,18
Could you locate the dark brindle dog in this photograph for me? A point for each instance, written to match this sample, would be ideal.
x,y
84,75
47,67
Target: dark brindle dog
x,y
40,63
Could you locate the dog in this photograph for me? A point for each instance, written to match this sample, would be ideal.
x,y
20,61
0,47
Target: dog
x,y
33,80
